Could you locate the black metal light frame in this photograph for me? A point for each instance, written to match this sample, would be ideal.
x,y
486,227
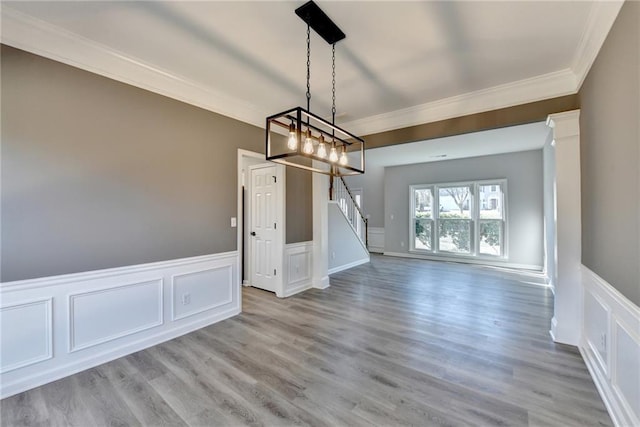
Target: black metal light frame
x,y
303,120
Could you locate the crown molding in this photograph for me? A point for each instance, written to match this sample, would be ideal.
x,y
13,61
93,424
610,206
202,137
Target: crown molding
x,y
34,35
601,18
533,89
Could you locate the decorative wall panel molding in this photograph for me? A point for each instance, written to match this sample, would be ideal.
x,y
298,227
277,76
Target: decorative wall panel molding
x,y
610,346
32,318
82,320
202,290
297,267
104,315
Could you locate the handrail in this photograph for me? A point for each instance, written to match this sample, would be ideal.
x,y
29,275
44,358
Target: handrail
x,y
343,189
353,199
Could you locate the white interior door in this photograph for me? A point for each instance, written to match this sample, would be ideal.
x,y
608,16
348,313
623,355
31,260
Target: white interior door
x,y
264,244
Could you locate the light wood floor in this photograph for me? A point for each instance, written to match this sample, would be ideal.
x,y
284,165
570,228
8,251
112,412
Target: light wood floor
x,y
394,342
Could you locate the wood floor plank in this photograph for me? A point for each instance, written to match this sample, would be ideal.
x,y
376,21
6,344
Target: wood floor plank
x,y
105,405
24,409
65,406
145,403
394,342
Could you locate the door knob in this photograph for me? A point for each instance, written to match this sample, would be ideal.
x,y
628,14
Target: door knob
x,y
253,233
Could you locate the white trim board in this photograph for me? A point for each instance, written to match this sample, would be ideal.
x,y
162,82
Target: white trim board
x,y
65,279
72,316
610,347
601,18
348,266
28,33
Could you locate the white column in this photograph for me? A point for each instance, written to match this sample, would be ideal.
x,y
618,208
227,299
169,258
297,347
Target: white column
x,y
320,184
565,325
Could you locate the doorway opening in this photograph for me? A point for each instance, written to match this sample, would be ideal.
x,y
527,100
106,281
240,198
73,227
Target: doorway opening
x,y
261,225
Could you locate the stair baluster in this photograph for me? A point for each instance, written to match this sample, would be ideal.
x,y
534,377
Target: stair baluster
x,y
340,193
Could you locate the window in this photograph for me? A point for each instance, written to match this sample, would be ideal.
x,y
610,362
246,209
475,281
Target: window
x,y
469,219
454,219
422,219
491,221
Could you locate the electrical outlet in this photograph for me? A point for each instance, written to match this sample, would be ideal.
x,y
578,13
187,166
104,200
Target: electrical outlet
x,y
234,222
603,341
186,299
333,255
402,244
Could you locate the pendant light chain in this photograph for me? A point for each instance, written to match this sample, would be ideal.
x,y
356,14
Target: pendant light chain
x,y
333,83
314,142
308,68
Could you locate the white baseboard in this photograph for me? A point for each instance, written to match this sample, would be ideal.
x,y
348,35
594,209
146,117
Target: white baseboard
x,y
610,347
320,282
466,260
292,290
349,265
78,321
554,328
55,373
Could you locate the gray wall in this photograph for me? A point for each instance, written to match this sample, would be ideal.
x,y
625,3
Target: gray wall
x,y
344,247
523,172
299,212
99,174
610,157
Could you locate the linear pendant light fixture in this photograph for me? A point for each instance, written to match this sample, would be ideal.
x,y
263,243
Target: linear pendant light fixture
x,y
301,139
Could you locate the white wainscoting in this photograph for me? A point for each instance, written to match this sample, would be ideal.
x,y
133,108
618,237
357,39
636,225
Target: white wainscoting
x,y
189,297
610,346
27,317
53,327
297,267
91,316
376,239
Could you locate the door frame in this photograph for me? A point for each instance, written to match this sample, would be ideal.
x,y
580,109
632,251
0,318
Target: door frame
x,y
280,211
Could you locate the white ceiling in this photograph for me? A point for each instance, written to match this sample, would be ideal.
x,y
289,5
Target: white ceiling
x,y
495,141
402,63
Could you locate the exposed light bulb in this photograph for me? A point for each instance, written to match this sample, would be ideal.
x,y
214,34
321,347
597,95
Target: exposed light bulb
x,y
292,143
333,155
343,157
322,149
307,148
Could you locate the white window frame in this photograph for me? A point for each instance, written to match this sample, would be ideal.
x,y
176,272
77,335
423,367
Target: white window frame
x,y
474,242
412,217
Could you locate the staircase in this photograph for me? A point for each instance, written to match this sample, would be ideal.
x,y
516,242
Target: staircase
x,y
340,194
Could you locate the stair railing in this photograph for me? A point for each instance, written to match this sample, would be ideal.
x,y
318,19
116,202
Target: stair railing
x,y
339,192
